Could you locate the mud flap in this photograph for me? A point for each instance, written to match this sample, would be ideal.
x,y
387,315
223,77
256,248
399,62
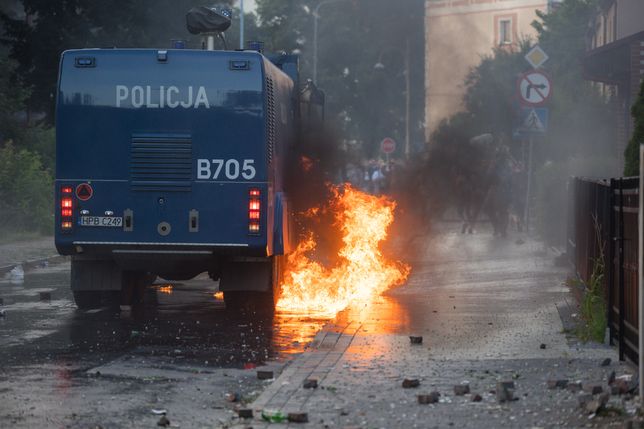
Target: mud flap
x,y
95,275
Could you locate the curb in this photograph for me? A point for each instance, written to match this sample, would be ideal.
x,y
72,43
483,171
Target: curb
x,y
28,265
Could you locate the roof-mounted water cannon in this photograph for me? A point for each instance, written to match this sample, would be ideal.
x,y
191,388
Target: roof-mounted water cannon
x,y
209,22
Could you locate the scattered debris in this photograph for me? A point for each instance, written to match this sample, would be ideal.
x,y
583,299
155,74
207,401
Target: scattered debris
x,y
232,397
310,383
611,378
159,412
519,241
462,389
163,422
1,301
476,398
245,413
264,375
594,389
45,296
575,386
606,362
17,274
595,404
410,382
542,346
298,417
2,313
273,416
505,391
432,398
624,384
416,339
557,384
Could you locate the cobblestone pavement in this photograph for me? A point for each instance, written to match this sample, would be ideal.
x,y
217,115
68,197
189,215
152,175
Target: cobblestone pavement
x,y
489,310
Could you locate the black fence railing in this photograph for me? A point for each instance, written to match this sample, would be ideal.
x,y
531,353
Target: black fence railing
x,y
603,227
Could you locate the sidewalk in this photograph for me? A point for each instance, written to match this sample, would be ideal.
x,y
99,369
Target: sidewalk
x,y
26,252
489,311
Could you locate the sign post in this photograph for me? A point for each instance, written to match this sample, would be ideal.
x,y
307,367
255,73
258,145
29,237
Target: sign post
x,y
534,89
640,279
387,146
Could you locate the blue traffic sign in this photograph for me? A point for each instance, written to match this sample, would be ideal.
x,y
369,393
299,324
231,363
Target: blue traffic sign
x,y
532,120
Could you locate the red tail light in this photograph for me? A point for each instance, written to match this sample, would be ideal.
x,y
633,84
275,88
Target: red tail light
x,y
254,211
66,208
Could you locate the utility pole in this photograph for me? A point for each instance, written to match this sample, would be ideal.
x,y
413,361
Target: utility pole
x,y
407,100
241,24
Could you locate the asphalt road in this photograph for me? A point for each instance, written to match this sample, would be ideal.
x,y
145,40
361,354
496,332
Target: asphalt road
x,y
182,353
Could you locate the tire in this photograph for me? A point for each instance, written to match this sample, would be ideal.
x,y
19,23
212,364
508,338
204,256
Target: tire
x,y
133,286
258,302
87,299
249,302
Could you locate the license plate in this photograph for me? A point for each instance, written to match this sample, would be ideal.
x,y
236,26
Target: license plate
x,y
109,221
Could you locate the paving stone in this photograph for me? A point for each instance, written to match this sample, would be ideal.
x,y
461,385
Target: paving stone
x,y
245,413
557,384
593,389
461,389
432,398
310,383
416,339
410,383
503,392
298,417
575,386
265,375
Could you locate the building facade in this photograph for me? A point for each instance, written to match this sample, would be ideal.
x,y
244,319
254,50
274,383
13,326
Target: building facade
x,y
615,60
457,34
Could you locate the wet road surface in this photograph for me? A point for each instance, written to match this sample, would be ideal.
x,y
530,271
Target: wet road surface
x,y
78,368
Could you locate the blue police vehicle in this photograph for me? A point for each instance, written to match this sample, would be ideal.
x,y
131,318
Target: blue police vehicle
x,y
172,163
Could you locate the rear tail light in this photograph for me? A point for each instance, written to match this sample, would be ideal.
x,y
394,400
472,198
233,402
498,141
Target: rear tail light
x,y
66,208
254,211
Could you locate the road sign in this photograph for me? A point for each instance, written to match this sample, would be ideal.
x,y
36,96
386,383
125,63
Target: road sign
x,y
388,145
536,57
532,120
534,88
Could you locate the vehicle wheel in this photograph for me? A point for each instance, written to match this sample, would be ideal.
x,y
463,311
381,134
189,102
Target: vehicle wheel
x,y
256,302
133,285
87,299
249,302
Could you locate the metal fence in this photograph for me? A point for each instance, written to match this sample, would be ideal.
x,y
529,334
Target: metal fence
x,y
603,226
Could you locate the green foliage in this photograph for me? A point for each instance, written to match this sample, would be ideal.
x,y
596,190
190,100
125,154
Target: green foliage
x,y
593,305
54,26
12,98
632,153
25,192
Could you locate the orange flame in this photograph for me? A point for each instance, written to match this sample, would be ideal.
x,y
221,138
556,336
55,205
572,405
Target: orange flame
x,y
362,271
167,289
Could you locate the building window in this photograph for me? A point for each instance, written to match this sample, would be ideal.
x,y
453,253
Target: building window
x,y
505,31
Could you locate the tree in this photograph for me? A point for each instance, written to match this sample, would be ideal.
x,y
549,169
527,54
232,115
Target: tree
x,y
632,153
50,27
